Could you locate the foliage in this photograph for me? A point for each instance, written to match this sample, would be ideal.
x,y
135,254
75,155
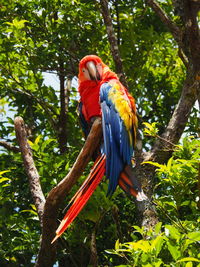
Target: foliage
x,y
176,238
165,245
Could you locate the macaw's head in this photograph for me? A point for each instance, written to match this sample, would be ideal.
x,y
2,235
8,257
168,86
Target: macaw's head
x,y
91,69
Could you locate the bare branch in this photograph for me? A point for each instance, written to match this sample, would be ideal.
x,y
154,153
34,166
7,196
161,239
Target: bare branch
x,y
59,192
34,179
174,29
9,146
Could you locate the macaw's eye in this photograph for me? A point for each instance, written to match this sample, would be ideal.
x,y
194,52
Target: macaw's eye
x,y
86,74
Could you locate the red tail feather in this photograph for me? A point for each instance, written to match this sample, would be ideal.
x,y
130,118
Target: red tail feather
x,y
126,185
83,194
130,184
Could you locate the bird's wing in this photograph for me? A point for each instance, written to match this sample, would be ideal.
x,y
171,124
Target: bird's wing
x,y
82,117
119,124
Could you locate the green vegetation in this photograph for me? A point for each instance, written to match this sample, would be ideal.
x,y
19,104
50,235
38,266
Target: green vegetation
x,y
41,36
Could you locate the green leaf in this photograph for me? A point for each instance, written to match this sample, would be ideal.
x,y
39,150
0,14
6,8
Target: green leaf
x,y
150,129
4,179
174,250
153,163
144,245
117,244
188,259
37,139
158,263
30,211
157,244
2,172
194,236
19,24
174,233
158,228
169,164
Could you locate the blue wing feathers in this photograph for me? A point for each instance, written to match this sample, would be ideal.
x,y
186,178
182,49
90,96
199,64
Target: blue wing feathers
x,y
116,140
83,122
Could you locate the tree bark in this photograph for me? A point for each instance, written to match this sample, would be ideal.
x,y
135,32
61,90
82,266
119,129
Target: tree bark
x,y
9,146
33,175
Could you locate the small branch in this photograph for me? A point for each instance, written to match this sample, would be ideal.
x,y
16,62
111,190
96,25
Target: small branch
x,y
174,29
116,218
9,146
165,140
34,179
113,41
57,195
183,57
68,87
93,249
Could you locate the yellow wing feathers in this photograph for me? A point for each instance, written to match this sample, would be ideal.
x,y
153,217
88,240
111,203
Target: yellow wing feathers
x,y
125,106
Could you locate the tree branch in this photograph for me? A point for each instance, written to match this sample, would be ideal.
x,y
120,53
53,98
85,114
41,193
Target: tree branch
x,y
191,33
9,146
174,29
62,122
113,41
163,146
57,195
34,179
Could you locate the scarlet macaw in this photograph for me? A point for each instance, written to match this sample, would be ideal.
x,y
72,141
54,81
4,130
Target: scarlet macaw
x,y
103,95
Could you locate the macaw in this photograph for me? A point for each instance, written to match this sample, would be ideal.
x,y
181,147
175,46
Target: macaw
x,y
102,94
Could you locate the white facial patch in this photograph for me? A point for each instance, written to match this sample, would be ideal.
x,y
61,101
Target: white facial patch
x,y
86,74
99,69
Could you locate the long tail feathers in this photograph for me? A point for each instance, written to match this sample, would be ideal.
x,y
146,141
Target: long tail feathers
x,y
129,183
83,194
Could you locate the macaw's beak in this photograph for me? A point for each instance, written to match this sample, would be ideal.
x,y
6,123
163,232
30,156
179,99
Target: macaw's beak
x,y
93,72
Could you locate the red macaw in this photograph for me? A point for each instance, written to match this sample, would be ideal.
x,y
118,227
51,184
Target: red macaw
x,y
103,95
